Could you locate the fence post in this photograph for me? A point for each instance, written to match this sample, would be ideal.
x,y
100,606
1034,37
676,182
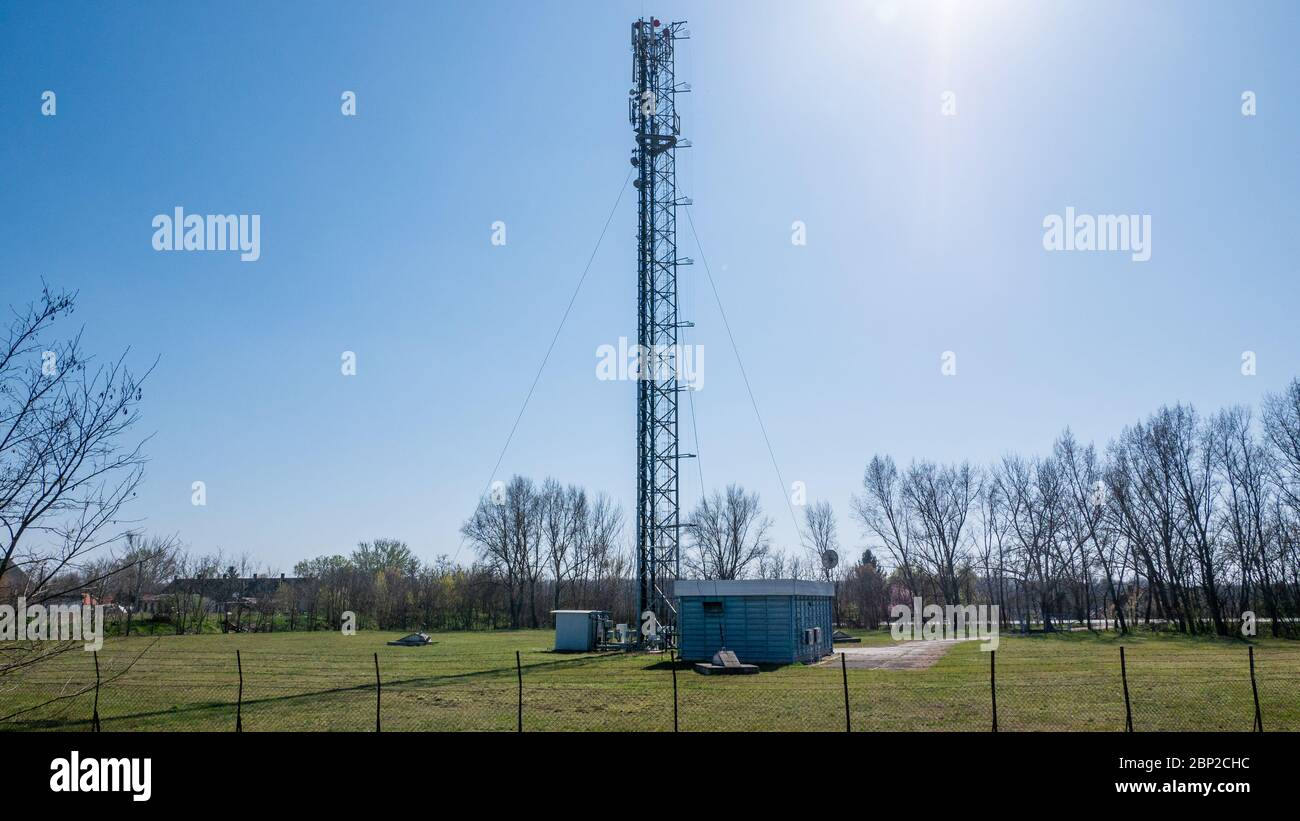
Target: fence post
x,y
519,672
94,718
993,685
1128,708
378,692
844,671
1254,689
674,658
239,705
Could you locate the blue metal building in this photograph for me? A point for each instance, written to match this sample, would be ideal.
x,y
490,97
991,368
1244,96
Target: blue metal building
x,y
773,621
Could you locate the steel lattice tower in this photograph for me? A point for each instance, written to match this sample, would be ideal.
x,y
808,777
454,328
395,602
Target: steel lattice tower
x,y
653,114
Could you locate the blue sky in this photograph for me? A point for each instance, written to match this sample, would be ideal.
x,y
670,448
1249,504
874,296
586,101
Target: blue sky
x,y
924,236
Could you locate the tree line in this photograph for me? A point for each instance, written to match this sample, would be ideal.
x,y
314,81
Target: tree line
x,y
1182,519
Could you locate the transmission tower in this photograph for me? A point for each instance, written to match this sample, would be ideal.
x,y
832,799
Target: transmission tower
x,y
653,114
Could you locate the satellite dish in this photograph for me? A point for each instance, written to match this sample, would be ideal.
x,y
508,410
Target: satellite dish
x,y
830,559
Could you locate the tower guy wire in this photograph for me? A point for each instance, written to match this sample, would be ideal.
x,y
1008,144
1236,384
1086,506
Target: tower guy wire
x,y
735,349
554,337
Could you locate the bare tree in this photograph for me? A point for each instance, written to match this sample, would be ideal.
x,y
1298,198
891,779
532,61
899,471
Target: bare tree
x,y
1146,494
1086,519
940,499
729,535
146,563
503,531
993,528
599,565
1032,489
1282,430
563,513
882,512
819,519
1187,448
1245,466
65,472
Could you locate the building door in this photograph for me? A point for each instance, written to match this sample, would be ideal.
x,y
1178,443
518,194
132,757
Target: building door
x,y
715,634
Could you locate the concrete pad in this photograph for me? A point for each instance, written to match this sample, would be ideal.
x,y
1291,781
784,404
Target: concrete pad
x,y
705,669
905,655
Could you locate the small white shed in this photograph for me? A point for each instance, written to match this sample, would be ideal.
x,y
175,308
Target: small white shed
x,y
579,630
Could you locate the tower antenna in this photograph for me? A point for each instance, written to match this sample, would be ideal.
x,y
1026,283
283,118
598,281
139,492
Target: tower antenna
x,y
652,110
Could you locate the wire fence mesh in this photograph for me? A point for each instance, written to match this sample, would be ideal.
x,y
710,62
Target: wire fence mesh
x,y
1022,687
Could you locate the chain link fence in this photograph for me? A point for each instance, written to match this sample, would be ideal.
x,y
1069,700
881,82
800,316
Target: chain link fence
x,y
1021,688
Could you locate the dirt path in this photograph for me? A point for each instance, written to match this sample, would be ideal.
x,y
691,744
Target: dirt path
x,y
907,655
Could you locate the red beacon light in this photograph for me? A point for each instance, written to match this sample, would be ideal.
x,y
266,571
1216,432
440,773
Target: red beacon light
x,y
655,22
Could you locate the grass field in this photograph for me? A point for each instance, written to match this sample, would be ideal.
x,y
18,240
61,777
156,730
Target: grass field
x,y
468,681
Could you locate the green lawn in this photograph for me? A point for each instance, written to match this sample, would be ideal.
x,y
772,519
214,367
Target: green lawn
x,y
467,681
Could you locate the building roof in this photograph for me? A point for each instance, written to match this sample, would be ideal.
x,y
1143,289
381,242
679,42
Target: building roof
x,y
228,588
751,587
14,579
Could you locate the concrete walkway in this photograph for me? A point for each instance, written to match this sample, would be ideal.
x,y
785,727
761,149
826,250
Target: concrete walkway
x,y
906,655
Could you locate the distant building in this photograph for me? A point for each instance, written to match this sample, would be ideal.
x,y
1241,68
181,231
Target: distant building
x,y
17,583
219,593
773,621
13,583
84,598
153,603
